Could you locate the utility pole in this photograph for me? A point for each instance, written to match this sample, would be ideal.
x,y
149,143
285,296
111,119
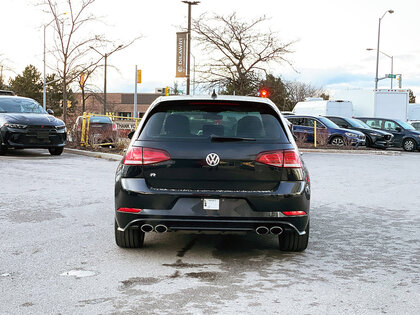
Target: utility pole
x,y
190,3
105,56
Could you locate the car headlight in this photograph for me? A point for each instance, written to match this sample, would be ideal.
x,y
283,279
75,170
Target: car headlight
x,y
16,126
351,135
61,128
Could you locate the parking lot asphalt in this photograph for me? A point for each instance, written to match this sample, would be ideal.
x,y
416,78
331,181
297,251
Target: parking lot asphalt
x,y
58,254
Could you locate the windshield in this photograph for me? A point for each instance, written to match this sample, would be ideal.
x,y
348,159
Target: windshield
x,y
328,122
405,125
20,105
217,121
357,123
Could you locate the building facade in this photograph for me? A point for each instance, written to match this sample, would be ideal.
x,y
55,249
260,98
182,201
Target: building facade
x,y
120,104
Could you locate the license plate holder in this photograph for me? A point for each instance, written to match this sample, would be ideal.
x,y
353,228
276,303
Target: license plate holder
x,y
211,204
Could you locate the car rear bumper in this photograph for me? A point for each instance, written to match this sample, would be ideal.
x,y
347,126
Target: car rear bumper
x,y
238,211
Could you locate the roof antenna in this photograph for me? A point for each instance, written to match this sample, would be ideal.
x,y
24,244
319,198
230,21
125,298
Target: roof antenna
x,y
213,95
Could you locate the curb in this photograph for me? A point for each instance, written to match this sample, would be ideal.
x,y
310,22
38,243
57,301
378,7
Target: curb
x,y
364,152
99,155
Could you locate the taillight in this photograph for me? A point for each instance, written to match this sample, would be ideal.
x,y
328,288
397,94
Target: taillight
x,y
280,158
274,158
114,127
130,210
294,213
292,159
145,156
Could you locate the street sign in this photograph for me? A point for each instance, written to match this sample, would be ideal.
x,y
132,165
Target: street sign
x,y
391,76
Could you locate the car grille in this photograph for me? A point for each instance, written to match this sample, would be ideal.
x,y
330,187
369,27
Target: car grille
x,y
38,135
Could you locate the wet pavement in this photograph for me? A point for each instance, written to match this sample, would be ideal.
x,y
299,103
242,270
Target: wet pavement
x,y
58,254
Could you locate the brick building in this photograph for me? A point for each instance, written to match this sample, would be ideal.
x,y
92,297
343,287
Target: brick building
x,y
121,104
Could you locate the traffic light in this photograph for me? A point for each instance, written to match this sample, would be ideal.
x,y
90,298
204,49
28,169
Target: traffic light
x,y
82,79
264,93
68,103
138,76
399,79
167,91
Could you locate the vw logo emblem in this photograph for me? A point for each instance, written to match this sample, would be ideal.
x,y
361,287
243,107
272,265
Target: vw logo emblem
x,y
212,159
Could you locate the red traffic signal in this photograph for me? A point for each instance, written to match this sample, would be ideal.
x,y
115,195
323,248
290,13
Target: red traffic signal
x,y
264,93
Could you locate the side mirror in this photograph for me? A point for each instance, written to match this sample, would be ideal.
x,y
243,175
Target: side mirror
x,y
50,111
130,134
398,129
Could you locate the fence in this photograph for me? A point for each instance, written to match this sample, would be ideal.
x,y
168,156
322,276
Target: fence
x,y
123,124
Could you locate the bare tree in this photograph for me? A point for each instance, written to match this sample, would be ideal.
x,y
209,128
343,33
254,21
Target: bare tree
x,y
298,91
239,53
73,41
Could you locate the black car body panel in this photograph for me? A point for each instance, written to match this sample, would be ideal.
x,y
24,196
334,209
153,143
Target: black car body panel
x,y
249,193
374,137
35,129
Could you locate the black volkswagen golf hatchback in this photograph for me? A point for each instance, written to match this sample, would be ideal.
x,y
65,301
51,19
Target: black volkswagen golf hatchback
x,y
25,124
221,163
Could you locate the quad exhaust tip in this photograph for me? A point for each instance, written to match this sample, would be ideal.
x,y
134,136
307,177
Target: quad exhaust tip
x,y
160,228
146,228
262,230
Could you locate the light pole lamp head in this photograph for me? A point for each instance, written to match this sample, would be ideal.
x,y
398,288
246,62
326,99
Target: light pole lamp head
x,y
390,11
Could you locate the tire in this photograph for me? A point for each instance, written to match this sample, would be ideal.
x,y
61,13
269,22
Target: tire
x,y
290,241
409,145
56,151
3,149
130,238
337,141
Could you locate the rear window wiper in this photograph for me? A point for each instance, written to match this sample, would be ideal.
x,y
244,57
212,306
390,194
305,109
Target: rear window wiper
x,y
225,139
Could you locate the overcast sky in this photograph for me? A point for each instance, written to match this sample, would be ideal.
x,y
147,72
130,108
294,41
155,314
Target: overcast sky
x,y
332,37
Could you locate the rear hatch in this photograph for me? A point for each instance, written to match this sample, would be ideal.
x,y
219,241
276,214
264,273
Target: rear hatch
x,y
210,145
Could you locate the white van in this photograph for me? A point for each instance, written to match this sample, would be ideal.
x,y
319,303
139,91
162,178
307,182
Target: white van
x,y
318,106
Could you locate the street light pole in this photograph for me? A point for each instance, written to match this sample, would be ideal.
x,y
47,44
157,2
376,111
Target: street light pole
x,y
44,92
392,63
377,50
190,3
105,56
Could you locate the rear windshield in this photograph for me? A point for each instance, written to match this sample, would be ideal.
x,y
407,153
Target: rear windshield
x,y
100,120
201,120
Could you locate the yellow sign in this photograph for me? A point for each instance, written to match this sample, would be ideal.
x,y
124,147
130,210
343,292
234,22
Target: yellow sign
x,y
138,76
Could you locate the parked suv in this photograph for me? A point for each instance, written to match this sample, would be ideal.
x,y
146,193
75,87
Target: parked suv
x,y
405,135
303,126
374,138
220,163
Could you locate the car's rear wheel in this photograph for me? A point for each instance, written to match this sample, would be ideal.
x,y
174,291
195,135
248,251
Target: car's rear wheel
x,y
56,151
337,141
409,145
130,238
290,241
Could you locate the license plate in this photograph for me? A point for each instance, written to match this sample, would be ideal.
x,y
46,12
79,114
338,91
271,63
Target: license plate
x,y
211,204
42,135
